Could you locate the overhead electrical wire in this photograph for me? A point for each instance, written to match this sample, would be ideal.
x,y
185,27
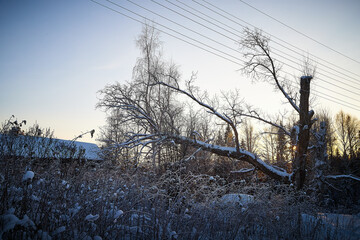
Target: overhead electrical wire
x,y
331,99
202,35
273,36
169,34
200,47
321,79
303,34
180,34
273,52
347,96
355,81
177,32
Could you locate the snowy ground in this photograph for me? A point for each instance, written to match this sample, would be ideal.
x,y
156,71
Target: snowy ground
x,y
96,202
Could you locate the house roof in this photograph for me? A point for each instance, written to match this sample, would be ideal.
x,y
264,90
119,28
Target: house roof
x,y
41,147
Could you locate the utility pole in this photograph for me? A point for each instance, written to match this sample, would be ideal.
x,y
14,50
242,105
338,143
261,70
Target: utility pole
x,y
304,132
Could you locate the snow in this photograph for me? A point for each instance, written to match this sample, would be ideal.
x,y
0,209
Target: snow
x,y
274,170
196,133
233,151
35,198
59,230
9,221
91,218
296,131
41,147
173,235
75,210
343,224
43,235
344,176
243,170
306,77
237,199
118,214
29,175
92,151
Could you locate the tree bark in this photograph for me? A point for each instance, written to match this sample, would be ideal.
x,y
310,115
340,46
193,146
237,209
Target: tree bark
x,y
304,133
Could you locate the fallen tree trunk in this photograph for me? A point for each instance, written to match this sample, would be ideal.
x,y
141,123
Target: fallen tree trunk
x,y
242,155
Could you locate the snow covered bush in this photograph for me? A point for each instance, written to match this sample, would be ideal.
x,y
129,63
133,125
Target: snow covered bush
x,y
108,203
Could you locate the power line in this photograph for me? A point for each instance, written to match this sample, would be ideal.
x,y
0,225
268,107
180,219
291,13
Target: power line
x,y
303,34
177,32
217,41
273,48
202,35
242,37
182,35
282,45
169,34
214,53
273,36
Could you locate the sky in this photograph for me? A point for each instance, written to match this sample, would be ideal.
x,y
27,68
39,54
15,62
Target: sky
x,y
56,55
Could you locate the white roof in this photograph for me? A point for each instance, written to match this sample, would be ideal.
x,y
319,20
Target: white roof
x,y
29,146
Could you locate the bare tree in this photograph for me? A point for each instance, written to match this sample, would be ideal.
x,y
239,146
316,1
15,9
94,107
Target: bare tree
x,y
139,106
261,65
143,107
269,145
347,128
250,137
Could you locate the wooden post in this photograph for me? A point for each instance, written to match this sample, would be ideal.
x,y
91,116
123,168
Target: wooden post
x,y
304,132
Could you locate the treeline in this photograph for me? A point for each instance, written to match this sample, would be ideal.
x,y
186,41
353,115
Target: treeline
x,y
342,142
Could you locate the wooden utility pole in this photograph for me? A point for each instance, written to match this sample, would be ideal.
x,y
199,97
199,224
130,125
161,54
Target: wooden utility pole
x,y
304,132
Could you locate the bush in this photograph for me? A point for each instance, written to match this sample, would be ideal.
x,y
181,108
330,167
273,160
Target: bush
x,y
113,204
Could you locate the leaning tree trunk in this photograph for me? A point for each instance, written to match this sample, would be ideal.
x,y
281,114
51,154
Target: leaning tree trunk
x,y
304,132
233,152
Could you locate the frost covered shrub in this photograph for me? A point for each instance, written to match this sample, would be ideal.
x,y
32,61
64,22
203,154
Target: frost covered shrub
x,y
102,203
35,142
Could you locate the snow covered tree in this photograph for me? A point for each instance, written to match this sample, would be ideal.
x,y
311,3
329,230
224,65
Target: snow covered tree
x,y
159,125
144,107
324,116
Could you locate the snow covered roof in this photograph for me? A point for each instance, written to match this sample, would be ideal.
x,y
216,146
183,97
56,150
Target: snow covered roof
x,y
40,147
92,151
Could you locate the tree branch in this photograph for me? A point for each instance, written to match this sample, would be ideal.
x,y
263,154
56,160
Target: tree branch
x,y
243,155
343,176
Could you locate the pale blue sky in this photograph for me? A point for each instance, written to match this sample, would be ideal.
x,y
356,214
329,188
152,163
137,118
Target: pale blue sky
x,y
56,55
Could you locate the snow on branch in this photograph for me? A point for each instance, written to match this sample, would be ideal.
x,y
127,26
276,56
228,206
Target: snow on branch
x,y
243,155
201,103
123,97
190,93
139,139
243,170
356,178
